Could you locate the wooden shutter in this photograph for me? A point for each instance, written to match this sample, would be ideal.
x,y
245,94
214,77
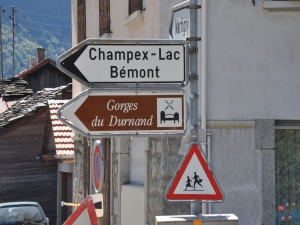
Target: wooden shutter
x,y
135,5
104,16
81,20
106,181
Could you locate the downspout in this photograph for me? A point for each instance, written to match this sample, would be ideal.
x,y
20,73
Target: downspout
x,y
208,136
203,82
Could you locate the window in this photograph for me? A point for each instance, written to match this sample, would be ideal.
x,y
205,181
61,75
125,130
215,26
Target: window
x,y
135,5
104,17
81,20
287,175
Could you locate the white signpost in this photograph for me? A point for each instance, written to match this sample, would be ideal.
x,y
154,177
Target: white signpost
x,y
123,63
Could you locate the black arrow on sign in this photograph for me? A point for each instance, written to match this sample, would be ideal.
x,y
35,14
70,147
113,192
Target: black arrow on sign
x,y
69,64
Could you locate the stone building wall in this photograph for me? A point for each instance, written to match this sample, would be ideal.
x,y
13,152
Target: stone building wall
x,y
120,167
162,163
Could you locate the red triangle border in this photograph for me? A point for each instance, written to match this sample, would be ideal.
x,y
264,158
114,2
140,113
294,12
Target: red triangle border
x,y
86,204
194,149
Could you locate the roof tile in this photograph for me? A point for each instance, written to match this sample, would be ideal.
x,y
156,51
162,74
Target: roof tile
x,y
62,133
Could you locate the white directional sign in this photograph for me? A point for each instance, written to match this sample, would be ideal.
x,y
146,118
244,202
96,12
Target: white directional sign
x,y
117,63
194,181
180,21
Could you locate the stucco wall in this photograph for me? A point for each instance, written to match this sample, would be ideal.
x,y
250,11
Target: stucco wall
x,y
132,202
252,62
120,168
162,163
92,13
77,177
147,28
252,73
237,165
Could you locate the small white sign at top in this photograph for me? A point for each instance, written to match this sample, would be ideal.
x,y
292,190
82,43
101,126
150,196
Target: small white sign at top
x,y
180,22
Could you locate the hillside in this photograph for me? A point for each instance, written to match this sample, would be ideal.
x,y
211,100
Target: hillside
x,y
47,25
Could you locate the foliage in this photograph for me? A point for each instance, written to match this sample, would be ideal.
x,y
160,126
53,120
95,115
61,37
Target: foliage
x,y
287,176
47,25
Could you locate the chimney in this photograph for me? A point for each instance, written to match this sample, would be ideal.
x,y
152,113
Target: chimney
x,y
33,62
40,54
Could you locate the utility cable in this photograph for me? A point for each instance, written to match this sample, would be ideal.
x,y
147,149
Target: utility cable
x,y
44,30
40,23
44,15
23,35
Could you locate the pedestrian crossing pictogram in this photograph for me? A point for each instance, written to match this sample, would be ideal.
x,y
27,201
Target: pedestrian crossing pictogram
x,y
194,180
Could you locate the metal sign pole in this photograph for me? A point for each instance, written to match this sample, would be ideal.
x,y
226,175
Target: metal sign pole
x,y
194,82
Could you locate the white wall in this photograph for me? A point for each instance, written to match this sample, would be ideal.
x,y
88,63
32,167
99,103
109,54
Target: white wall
x,y
92,14
237,166
252,73
76,86
132,205
252,62
147,28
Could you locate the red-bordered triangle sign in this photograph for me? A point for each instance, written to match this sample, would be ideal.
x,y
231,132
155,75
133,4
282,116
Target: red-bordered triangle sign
x,y
194,180
84,214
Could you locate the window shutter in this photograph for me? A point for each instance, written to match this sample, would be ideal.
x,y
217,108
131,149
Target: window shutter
x,y
137,160
104,16
135,5
81,20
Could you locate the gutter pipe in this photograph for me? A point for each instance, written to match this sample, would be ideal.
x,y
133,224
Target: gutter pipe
x,y
205,208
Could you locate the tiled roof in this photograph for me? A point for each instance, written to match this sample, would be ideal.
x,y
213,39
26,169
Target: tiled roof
x,y
35,68
31,104
62,133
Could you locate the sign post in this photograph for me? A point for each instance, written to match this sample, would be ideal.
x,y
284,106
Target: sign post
x,y
194,83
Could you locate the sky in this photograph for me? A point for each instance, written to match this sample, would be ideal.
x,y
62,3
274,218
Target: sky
x,y
38,10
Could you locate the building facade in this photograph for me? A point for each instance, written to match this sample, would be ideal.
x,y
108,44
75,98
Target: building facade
x,y
249,88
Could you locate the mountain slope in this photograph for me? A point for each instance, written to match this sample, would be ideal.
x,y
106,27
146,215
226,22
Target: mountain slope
x,y
47,25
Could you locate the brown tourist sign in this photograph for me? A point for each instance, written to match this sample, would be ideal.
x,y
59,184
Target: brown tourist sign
x,y
122,112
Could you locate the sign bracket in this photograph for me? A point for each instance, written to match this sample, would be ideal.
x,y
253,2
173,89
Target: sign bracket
x,y
193,39
193,50
194,7
193,77
194,96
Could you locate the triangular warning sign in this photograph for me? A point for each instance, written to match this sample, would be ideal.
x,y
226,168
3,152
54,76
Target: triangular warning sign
x,y
194,180
84,214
